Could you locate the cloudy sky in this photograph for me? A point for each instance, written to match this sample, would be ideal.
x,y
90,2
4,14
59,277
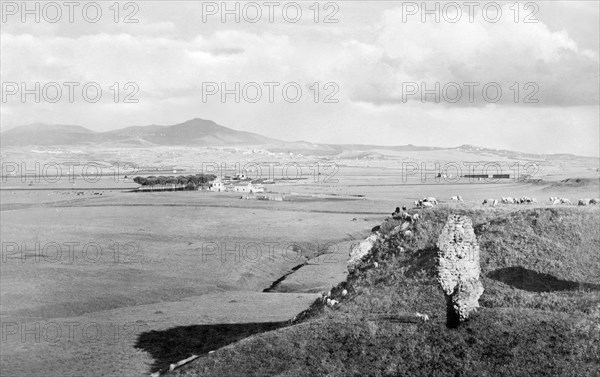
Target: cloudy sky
x,y
377,70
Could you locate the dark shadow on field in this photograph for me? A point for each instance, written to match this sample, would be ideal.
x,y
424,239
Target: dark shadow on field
x,y
532,281
178,343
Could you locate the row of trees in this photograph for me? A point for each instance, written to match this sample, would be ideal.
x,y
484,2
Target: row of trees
x,y
189,182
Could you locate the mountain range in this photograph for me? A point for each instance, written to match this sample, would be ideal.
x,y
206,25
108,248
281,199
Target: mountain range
x,y
194,132
200,132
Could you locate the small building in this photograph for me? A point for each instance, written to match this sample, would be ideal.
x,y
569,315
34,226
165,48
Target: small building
x,y
216,185
247,187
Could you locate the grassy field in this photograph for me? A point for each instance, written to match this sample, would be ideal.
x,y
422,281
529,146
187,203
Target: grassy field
x,y
539,314
169,274
134,264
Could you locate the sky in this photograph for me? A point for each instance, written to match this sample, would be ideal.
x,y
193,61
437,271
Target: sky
x,y
520,76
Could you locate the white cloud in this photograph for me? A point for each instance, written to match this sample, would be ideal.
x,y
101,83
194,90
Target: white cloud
x,y
504,52
170,54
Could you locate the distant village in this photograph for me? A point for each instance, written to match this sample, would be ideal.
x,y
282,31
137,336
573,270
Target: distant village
x,y
229,183
237,183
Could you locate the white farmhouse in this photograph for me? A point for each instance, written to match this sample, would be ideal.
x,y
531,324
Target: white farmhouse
x,y
217,185
247,187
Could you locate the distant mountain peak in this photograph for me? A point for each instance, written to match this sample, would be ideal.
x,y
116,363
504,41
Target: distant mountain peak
x,y
205,132
197,131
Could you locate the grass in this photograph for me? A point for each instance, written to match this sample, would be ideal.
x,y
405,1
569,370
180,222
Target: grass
x,y
539,314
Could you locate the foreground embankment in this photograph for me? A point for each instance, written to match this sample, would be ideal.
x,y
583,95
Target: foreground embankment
x,y
539,315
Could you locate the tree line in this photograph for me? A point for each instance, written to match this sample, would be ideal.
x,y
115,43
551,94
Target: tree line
x,y
189,182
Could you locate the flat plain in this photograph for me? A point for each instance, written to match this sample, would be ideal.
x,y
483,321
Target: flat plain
x,y
90,269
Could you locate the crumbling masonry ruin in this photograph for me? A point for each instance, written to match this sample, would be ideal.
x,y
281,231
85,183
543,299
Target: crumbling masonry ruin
x,y
458,268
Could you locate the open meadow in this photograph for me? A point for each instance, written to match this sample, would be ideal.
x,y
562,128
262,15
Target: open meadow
x,y
364,188
97,279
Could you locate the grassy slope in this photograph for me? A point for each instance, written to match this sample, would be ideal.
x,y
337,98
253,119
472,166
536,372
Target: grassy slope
x,y
540,310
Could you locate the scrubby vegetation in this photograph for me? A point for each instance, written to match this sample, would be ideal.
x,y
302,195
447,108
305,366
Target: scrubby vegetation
x,y
189,182
539,315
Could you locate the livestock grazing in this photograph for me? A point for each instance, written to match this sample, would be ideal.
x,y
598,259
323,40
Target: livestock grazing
x,y
527,200
411,218
431,200
557,200
490,202
422,317
421,203
509,200
583,202
456,198
426,205
595,201
426,202
324,297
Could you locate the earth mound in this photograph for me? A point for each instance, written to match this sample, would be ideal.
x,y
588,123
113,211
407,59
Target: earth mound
x,y
539,312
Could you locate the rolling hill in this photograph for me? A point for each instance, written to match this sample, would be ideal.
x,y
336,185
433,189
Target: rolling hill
x,y
44,134
193,132
201,132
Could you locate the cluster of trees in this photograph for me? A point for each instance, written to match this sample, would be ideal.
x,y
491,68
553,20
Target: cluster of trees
x,y
189,182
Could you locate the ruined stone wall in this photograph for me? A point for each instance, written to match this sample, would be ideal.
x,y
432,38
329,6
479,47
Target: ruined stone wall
x,y
458,268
